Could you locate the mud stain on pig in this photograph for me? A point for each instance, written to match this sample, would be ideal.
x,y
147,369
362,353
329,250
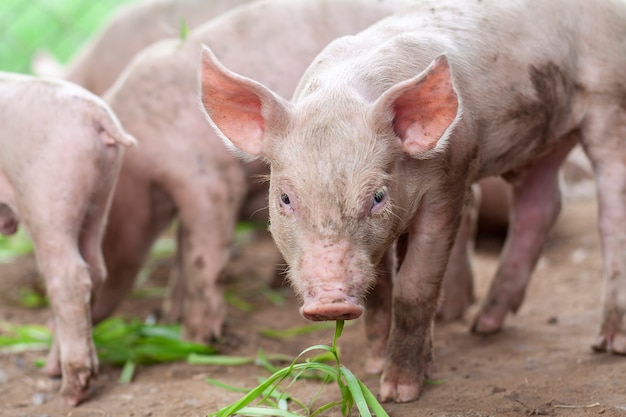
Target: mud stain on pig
x,y
541,109
553,90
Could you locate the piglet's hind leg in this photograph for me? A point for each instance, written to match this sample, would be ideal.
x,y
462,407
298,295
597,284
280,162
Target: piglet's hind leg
x,y
604,141
69,289
536,206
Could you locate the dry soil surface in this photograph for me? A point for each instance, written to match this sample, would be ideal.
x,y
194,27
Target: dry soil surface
x,y
541,364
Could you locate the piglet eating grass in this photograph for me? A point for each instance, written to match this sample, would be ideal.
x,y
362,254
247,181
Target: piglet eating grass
x,y
388,130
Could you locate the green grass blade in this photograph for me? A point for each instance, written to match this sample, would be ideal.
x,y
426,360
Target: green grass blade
x,y
435,381
262,411
225,386
274,392
356,392
274,297
338,330
128,372
314,347
24,347
150,292
164,246
224,360
184,29
166,332
326,407
27,332
244,227
372,402
252,394
323,357
238,302
263,361
32,299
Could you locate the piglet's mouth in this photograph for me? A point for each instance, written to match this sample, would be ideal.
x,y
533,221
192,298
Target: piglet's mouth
x,y
331,309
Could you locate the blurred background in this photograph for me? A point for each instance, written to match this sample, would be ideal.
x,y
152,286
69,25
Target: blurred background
x,y
57,26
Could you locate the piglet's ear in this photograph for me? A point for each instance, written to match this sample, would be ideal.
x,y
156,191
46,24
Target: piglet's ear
x,y
421,108
240,109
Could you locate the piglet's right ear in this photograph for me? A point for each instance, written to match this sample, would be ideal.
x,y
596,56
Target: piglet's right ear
x,y
242,110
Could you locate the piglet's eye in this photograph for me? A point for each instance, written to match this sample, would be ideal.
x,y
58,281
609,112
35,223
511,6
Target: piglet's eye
x,y
379,198
285,203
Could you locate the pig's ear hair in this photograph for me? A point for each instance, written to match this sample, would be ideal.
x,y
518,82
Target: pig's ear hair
x,y
241,110
422,110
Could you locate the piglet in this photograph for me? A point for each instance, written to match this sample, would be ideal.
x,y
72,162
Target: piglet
x,y
388,130
183,170
61,150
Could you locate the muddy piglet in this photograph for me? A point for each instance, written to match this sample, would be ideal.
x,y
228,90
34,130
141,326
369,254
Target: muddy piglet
x,y
60,153
386,133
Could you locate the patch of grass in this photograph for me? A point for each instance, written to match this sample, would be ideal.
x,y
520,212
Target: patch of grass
x,y
59,26
15,338
268,399
118,342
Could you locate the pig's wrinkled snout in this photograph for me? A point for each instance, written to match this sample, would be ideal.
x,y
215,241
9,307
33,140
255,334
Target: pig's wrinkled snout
x,y
331,306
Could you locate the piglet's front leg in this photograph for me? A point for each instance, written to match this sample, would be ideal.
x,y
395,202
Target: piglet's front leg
x,y
208,215
415,294
378,314
458,282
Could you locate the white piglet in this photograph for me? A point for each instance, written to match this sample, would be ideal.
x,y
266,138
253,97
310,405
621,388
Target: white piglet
x,y
388,130
60,154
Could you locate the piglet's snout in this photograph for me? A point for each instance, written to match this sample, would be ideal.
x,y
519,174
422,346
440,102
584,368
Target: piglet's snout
x,y
328,279
331,305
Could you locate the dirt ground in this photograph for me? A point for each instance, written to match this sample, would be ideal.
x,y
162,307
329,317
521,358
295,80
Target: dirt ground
x,y
541,364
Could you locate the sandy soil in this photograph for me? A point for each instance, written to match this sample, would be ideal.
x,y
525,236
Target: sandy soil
x,y
541,364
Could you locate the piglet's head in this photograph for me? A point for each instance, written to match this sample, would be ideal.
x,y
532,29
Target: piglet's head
x,y
345,171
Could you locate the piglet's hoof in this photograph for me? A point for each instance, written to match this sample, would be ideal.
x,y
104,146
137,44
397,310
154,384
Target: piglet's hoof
x,y
490,321
75,387
615,344
398,392
374,364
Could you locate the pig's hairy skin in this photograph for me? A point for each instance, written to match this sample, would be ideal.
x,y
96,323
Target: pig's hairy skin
x,y
182,167
61,154
131,28
524,86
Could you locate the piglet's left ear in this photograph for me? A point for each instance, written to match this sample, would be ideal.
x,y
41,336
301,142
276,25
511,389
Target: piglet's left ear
x,y
421,108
